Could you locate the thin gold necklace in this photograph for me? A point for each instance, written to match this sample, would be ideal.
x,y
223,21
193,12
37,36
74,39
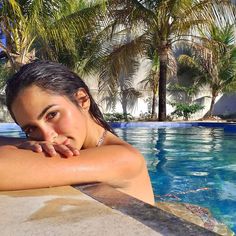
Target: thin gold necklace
x,y
101,139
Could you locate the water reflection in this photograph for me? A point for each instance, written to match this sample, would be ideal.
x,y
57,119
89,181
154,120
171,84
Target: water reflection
x,y
193,165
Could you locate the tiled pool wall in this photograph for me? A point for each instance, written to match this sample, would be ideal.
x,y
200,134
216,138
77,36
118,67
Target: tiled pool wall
x,y
155,124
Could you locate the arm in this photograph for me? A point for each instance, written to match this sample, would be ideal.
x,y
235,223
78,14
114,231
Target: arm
x,y
112,164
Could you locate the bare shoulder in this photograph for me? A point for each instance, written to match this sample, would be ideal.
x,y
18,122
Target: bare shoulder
x,y
115,140
124,146
119,158
137,182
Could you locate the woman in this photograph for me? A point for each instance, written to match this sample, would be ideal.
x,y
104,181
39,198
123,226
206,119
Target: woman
x,y
69,142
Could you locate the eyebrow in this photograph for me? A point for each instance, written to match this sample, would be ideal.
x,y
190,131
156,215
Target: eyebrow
x,y
42,113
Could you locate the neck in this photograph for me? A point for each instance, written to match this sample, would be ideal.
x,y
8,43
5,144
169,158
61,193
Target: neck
x,y
96,135
102,138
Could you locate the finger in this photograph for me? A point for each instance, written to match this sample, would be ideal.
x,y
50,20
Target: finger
x,y
36,147
74,150
49,149
31,146
64,150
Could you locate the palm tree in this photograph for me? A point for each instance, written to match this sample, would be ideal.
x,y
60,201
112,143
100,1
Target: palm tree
x,y
151,81
214,59
160,24
106,57
115,82
44,28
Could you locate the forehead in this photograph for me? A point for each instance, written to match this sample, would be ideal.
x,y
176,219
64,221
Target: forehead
x,y
32,95
30,102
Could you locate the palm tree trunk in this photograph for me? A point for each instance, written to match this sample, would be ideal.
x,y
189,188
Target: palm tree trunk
x,y
214,94
124,108
124,104
213,98
154,104
163,53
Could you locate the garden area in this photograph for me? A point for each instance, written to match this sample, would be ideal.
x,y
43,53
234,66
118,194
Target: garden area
x,y
183,47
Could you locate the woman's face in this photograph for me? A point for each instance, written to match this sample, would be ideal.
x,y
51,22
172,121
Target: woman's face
x,y
47,117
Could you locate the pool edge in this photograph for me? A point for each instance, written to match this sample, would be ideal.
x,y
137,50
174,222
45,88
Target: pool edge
x,y
160,221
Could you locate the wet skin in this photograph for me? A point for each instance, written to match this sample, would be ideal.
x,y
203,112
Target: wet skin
x,y
58,121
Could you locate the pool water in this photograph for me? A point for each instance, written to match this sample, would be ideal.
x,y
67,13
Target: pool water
x,y
194,165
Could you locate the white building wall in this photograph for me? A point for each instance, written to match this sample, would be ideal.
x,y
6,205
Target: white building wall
x,y
225,103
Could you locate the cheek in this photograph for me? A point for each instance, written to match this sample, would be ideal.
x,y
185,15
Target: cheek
x,y
63,126
71,122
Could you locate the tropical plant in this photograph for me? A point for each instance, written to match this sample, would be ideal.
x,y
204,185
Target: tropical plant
x,y
214,59
120,90
185,110
152,80
117,117
185,93
114,60
184,105
44,28
158,25
5,73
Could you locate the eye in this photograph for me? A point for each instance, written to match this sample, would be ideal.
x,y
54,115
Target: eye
x,y
51,115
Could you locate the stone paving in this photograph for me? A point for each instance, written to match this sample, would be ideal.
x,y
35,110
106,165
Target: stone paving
x,y
93,210
63,211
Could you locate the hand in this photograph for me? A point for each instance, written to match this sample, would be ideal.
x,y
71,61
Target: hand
x,y
51,149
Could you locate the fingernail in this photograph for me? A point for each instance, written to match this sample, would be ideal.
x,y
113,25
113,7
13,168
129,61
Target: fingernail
x,y
39,150
76,152
53,153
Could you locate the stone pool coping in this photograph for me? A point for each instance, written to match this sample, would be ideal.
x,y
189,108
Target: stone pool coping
x,y
94,209
160,221
60,211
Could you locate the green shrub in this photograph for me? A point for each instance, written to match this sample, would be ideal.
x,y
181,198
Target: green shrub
x,y
5,73
145,116
185,110
116,117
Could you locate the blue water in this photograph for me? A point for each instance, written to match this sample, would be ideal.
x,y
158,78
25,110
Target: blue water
x,y
194,165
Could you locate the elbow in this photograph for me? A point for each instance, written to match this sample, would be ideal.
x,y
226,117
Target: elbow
x,y
134,163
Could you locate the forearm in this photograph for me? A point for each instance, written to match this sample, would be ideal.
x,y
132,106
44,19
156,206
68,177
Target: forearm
x,y
24,169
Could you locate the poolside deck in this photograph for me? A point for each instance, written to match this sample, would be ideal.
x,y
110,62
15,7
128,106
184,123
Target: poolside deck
x,y
69,211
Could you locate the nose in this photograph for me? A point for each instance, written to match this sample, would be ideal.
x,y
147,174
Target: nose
x,y
48,134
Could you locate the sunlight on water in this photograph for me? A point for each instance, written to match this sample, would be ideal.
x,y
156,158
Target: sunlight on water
x,y
196,165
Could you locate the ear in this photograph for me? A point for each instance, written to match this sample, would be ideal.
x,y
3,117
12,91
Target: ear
x,y
83,99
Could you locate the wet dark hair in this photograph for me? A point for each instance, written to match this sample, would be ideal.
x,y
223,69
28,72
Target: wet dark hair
x,y
54,78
